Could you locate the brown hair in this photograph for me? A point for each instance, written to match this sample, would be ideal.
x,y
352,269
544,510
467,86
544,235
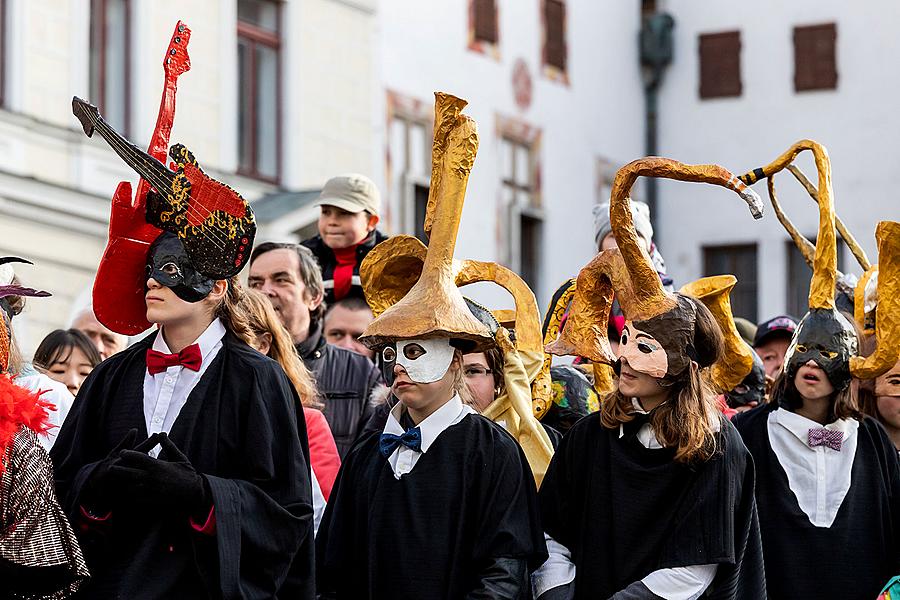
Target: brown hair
x,y
262,319
459,380
844,404
682,421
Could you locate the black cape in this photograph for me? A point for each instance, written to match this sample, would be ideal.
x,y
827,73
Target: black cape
x,y
855,557
469,499
625,511
239,429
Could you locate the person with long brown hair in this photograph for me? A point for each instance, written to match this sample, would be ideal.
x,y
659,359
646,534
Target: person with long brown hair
x,y
272,339
652,496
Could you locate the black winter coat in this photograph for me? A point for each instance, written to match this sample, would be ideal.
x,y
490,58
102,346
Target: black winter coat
x,y
345,381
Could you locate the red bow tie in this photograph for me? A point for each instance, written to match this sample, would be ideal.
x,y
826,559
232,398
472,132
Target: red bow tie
x,y
189,358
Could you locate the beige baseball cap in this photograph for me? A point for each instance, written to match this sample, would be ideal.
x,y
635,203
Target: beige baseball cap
x,y
351,192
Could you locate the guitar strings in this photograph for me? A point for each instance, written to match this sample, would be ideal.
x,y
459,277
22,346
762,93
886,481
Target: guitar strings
x,y
219,239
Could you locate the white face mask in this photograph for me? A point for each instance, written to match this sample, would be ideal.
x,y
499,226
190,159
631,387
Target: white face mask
x,y
425,361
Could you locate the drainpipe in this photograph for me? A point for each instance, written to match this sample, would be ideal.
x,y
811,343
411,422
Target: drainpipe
x,y
656,50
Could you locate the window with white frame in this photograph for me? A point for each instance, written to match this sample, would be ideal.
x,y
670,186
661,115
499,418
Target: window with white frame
x,y
526,218
110,57
410,159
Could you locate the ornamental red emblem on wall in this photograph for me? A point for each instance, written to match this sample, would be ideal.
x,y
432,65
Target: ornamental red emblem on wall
x,y
521,83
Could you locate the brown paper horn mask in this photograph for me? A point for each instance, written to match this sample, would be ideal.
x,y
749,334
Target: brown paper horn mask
x,y
628,272
434,307
824,335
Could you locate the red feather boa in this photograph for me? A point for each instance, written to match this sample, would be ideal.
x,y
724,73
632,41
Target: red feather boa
x,y
20,407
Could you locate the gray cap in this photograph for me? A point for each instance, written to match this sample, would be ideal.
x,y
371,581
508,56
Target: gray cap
x,y
351,192
640,213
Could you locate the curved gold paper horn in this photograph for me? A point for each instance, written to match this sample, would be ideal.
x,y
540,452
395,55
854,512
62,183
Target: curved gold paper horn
x,y
649,295
434,307
527,318
736,363
887,315
858,253
806,247
390,270
822,286
628,269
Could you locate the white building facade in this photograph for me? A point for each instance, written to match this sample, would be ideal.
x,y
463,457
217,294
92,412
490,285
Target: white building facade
x,y
555,89
775,73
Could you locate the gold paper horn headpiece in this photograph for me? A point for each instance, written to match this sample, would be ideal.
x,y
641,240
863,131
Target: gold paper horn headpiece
x,y
821,288
887,315
737,361
628,270
391,269
434,307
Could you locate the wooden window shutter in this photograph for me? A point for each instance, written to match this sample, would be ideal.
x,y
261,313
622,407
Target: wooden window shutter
x,y
720,64
485,17
815,64
555,31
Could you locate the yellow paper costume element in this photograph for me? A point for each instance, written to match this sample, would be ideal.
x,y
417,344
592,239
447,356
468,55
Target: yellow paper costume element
x,y
737,361
434,307
887,324
513,408
821,288
628,270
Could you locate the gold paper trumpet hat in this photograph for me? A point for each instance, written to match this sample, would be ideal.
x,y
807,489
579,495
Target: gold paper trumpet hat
x,y
737,361
824,335
391,269
434,307
628,272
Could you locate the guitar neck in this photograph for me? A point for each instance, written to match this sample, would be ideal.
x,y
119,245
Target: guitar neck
x,y
146,166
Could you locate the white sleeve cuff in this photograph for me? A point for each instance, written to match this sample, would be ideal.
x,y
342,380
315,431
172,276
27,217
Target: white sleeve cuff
x,y
557,570
681,583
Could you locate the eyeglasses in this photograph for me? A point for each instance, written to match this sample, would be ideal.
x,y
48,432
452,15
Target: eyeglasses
x,y
472,372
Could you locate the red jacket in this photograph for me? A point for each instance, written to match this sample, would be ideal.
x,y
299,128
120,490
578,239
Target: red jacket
x,y
323,454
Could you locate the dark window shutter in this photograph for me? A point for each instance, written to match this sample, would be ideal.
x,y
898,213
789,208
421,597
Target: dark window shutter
x,y
739,261
555,26
485,14
720,64
815,64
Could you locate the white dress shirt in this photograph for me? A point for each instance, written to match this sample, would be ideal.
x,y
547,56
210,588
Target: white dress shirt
x,y
52,391
678,583
166,393
819,477
403,459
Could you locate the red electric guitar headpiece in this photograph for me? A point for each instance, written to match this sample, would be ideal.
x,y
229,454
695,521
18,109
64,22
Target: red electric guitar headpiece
x,y
214,223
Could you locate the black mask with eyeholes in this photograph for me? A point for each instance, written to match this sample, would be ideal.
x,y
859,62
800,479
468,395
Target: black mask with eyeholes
x,y
827,338
169,265
752,388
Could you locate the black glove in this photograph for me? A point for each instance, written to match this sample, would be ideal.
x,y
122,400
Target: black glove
x,y
170,483
102,492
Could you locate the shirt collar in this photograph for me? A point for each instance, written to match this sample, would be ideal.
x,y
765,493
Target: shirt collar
x,y
434,424
799,425
211,336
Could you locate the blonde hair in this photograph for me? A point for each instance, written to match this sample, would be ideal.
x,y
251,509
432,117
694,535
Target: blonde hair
x,y
261,319
681,422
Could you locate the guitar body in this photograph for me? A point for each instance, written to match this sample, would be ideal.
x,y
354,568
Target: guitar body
x,y
213,222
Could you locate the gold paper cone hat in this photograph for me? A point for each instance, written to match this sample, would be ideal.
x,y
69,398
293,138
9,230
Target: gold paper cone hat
x,y
628,270
434,307
737,361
